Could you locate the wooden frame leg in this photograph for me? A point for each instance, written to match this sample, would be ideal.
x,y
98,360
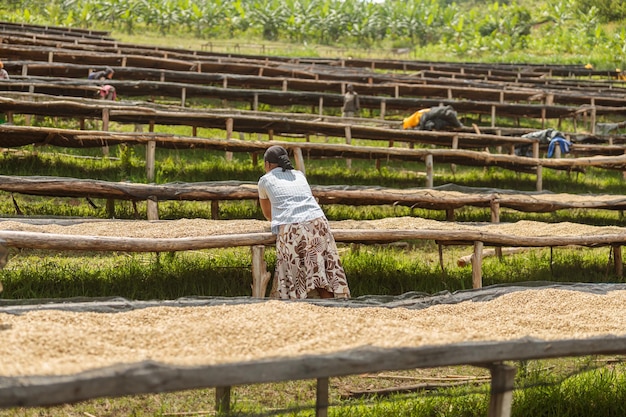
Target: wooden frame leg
x,y
321,406
222,400
477,265
260,275
502,384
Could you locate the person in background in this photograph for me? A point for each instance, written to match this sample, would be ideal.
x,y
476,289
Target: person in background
x,y
106,74
107,91
307,261
4,75
351,105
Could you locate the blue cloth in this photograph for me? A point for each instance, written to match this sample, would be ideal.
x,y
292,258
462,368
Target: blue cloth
x,y
563,143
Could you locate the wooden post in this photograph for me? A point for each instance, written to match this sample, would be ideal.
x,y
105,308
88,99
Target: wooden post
x,y
429,171
297,154
229,135
151,203
150,160
441,264
495,211
222,400
105,119
502,384
229,128
593,116
255,102
260,275
348,131
493,116
617,261
111,208
495,218
449,215
539,178
383,109
183,96
321,405
477,265
535,150
455,145
152,208
105,127
320,106
215,209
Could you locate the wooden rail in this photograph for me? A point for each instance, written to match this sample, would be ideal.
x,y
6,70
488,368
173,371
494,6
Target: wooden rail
x,y
322,101
132,81
468,235
447,197
13,136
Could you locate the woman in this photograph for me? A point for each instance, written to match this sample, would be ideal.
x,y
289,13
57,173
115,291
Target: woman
x,y
307,261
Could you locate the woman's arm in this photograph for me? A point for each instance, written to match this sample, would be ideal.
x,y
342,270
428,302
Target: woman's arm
x,y
266,206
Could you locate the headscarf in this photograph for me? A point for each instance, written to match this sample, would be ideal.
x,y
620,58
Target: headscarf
x,y
278,155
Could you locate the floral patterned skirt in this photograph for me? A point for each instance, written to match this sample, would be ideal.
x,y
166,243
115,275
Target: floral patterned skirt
x,y
307,259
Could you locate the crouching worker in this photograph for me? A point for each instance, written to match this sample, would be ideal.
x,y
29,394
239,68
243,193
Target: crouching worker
x,y
434,118
107,91
307,261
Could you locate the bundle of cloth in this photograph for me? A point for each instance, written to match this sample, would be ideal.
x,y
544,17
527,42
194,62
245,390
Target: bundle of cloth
x,y
551,137
434,118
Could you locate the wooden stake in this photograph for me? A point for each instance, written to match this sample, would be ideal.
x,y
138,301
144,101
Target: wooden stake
x,y
222,400
321,405
477,265
502,384
429,171
260,275
617,260
297,153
